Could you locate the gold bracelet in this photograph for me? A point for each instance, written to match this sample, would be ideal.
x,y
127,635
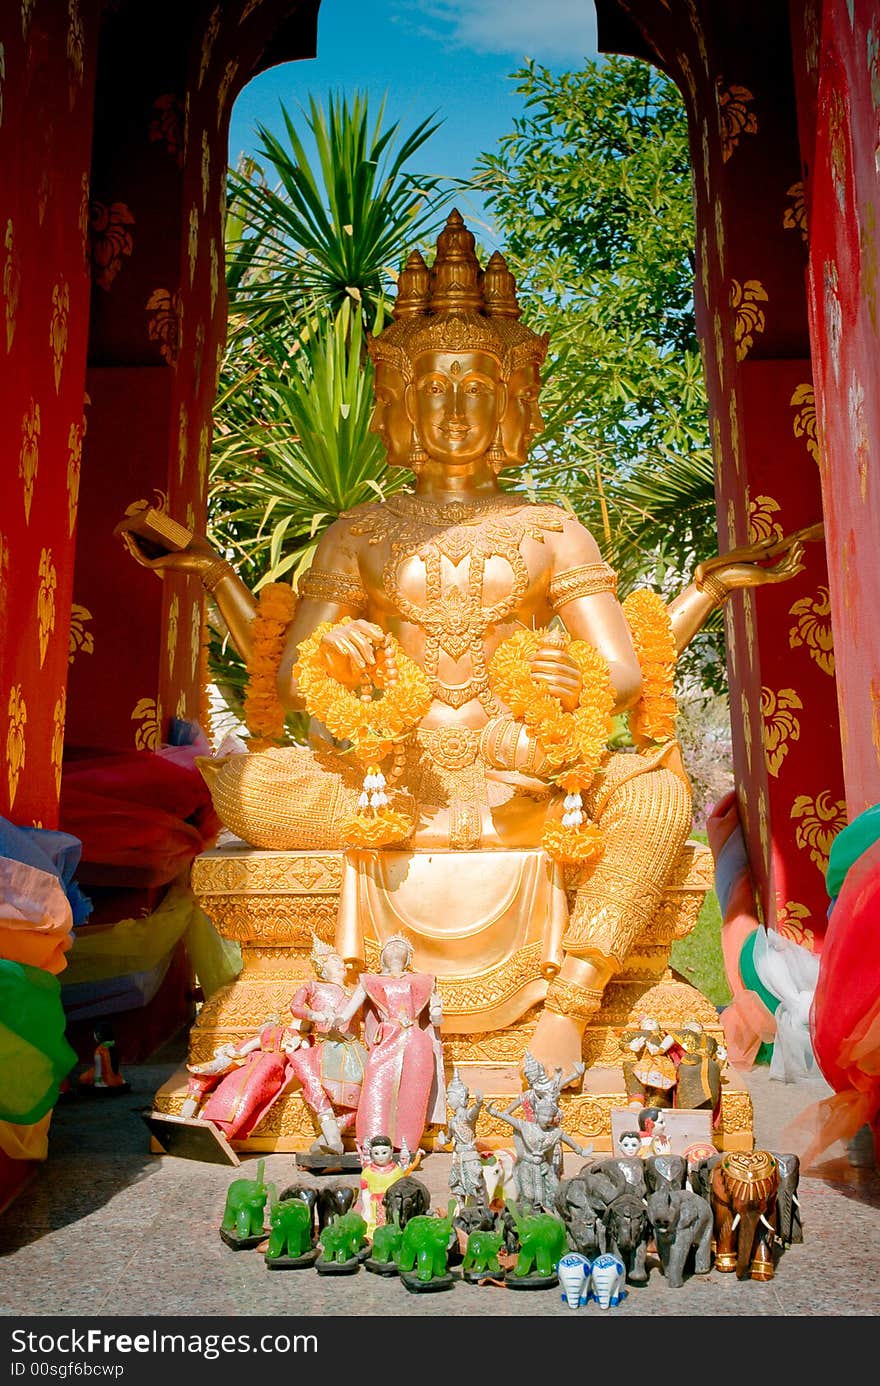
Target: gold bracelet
x,y
715,589
213,576
565,998
588,580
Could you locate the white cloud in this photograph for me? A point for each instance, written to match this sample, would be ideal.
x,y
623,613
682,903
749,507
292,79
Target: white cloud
x,y
550,31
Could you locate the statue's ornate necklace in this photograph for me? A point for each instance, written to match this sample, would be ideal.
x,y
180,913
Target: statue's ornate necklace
x,y
453,616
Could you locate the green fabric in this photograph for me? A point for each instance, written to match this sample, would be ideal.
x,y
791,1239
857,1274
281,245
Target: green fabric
x,y
751,980
848,846
34,1055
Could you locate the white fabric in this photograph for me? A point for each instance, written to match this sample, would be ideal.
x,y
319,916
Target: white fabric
x,y
790,972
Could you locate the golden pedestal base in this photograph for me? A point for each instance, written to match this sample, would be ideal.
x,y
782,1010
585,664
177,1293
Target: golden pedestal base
x,y
271,901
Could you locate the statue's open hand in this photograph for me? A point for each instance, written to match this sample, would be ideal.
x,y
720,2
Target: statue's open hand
x,y
735,575
351,649
197,557
555,668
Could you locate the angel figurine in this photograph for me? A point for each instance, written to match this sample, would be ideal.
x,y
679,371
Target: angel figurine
x,y
466,1173
540,1084
537,1142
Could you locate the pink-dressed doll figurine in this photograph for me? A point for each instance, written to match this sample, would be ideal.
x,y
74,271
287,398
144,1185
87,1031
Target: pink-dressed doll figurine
x,y
403,1088
331,1068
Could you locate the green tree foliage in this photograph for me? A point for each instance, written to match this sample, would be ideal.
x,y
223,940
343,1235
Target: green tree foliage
x,y
591,196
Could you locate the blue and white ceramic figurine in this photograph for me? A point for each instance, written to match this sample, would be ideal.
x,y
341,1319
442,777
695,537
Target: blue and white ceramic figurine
x,y
574,1277
607,1281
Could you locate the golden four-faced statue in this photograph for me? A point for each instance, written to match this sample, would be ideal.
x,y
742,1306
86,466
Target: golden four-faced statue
x,y
444,574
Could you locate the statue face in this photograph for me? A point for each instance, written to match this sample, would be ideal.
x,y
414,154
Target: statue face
x,y
395,956
455,404
334,969
523,419
390,419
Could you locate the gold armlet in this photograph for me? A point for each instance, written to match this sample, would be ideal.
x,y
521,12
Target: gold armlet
x,y
326,586
585,581
213,576
565,998
714,589
498,741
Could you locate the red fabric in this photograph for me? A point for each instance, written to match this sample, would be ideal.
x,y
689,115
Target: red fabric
x,y
140,817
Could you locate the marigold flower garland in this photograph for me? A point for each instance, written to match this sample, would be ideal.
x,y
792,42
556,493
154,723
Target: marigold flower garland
x,y
375,726
574,742
653,718
263,711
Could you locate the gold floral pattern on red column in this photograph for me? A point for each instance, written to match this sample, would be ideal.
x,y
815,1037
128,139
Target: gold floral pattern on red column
x,y
733,411
171,632
82,641
164,322
56,752
16,747
208,41
198,354
697,27
249,8
83,222
730,636
868,246
707,160
48,584
795,215
781,726
838,145
4,566
749,318
735,117
805,424
748,606
214,278
718,331
27,9
764,827
195,634
206,169
746,716
192,241
11,282
226,81
833,306
687,73
58,328
704,265
76,49
720,243
166,125
821,819
146,713
182,438
858,432
111,240
74,465
717,446
813,628
761,522
29,455
204,455
790,919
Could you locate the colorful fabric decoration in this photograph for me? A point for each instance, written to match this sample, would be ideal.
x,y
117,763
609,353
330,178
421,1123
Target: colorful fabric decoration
x,y
34,1055
849,845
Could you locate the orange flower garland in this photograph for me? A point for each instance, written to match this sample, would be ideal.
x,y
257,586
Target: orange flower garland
x,y
373,725
653,718
263,712
574,742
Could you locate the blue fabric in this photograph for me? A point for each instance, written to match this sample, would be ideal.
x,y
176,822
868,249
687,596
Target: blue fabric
x,y
46,849
731,862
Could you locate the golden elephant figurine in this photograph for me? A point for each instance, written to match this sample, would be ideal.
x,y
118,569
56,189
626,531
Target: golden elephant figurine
x,y
743,1197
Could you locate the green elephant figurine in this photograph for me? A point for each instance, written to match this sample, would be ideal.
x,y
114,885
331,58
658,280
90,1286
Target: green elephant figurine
x,y
244,1214
291,1229
425,1246
343,1238
542,1240
386,1243
481,1257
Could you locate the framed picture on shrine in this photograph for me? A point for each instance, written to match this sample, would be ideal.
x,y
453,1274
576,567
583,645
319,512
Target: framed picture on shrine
x,y
671,1131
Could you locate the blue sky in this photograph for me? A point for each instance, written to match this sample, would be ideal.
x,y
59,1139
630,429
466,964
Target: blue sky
x,y
449,56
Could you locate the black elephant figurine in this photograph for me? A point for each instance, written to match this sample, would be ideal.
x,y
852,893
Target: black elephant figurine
x,y
333,1201
505,1223
682,1223
627,1230
406,1198
309,1194
665,1172
743,1198
788,1208
583,1212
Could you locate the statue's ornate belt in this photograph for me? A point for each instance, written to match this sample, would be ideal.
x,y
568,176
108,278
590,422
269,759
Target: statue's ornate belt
x,y
454,748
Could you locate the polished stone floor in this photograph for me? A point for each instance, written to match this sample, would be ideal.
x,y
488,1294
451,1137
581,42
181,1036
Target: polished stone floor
x,y
107,1228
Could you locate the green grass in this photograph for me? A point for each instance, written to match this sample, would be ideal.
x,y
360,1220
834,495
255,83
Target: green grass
x,y
698,957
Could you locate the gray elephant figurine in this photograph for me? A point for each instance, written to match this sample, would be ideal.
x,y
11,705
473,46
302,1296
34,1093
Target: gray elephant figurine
x,y
627,1229
682,1222
629,1168
788,1208
665,1172
582,1211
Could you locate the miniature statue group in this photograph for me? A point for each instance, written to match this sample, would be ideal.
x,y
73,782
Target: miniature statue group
x,y
592,1233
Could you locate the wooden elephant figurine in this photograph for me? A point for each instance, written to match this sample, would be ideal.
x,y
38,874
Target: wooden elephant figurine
x,y
246,1199
788,1208
406,1198
481,1256
627,1229
333,1200
743,1196
542,1240
682,1223
290,1221
582,1211
425,1245
665,1172
342,1239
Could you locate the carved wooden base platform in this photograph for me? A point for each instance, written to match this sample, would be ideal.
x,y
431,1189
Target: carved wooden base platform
x,y
271,901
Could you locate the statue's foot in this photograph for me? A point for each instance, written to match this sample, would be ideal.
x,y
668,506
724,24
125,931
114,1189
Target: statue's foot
x,y
556,1042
